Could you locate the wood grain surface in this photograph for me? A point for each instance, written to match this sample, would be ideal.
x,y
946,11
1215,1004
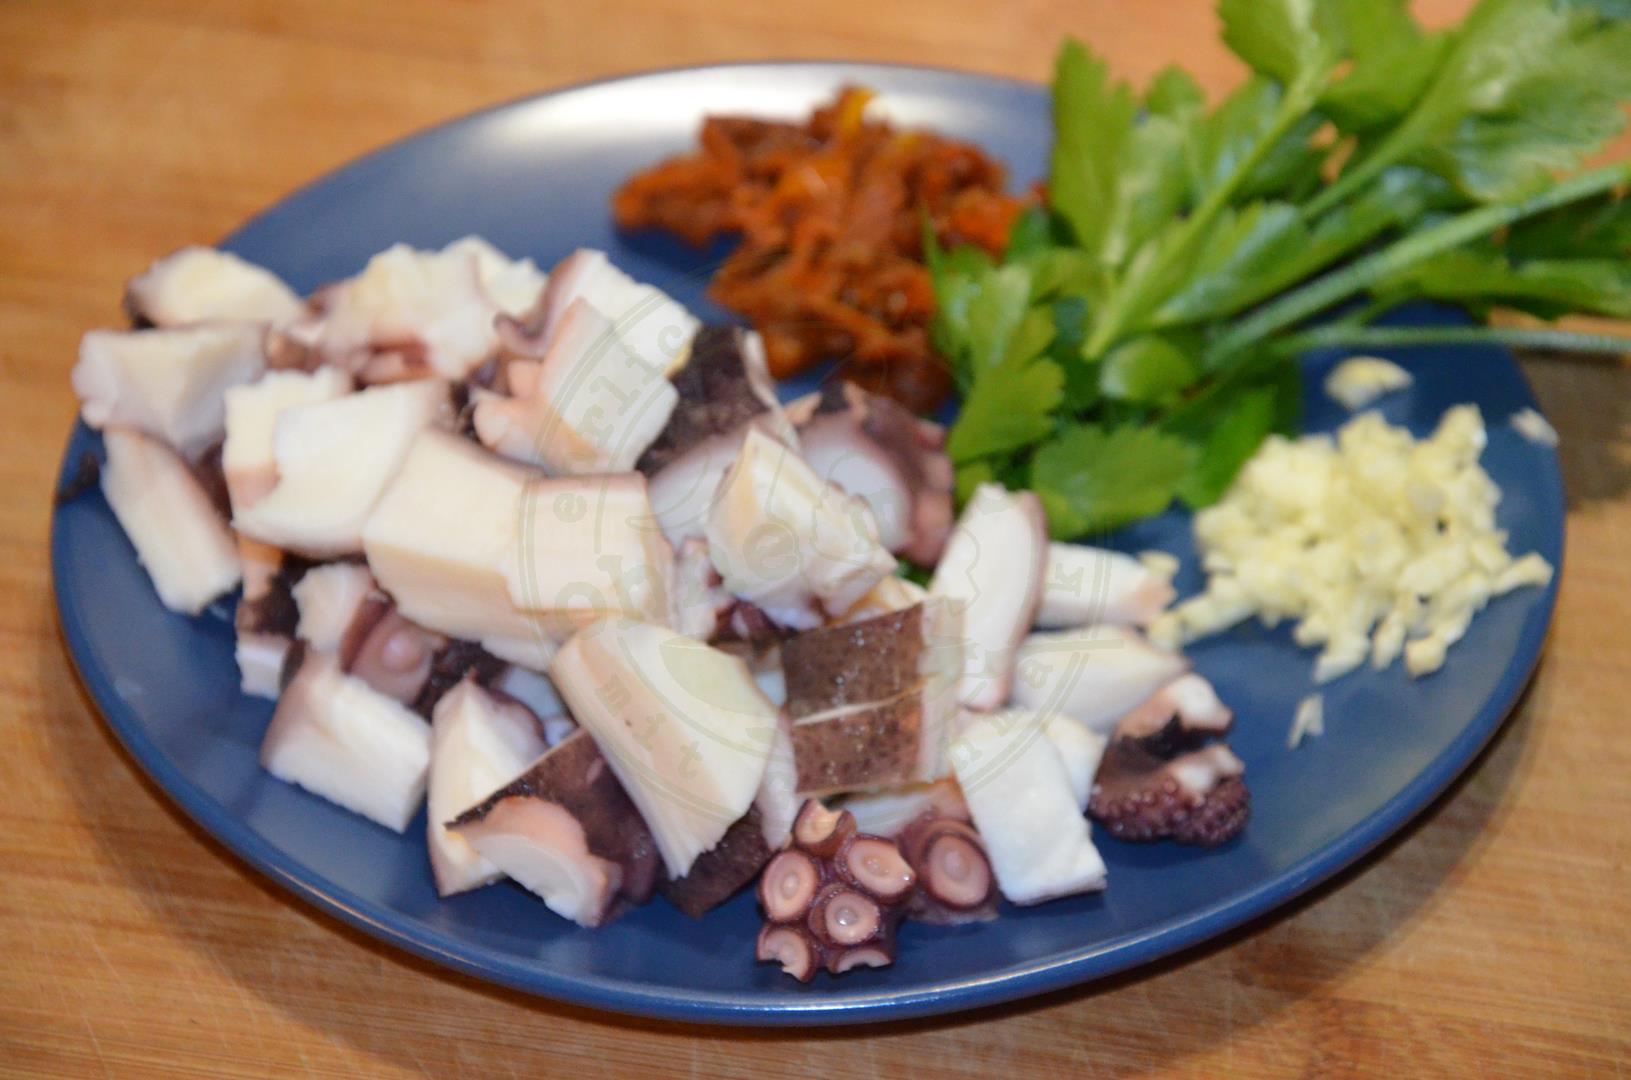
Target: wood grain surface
x,y
1493,938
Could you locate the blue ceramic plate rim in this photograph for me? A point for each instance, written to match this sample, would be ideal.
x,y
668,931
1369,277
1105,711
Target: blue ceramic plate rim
x,y
1095,961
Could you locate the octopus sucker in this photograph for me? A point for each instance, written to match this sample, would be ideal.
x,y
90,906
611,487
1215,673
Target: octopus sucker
x,y
790,947
955,881
876,865
788,885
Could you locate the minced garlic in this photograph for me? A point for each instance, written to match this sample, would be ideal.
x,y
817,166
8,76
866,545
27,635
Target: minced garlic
x,y
1374,543
1310,720
1360,380
1534,427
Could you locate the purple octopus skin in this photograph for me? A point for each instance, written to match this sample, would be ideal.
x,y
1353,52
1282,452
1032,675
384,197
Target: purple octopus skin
x,y
574,776
720,872
717,396
449,666
1175,783
832,897
388,652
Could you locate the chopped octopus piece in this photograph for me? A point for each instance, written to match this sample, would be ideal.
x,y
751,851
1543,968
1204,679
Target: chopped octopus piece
x,y
1080,749
337,737
833,898
1088,585
334,461
200,284
889,595
1165,775
872,702
169,383
261,659
593,406
777,800
262,563
1195,798
1019,793
454,662
481,549
179,537
478,743
724,390
440,539
1093,674
955,881
248,459
567,831
511,285
587,549
786,541
267,616
872,447
720,872
723,386
409,313
656,327
1189,698
681,724
698,599
993,567
330,598
683,492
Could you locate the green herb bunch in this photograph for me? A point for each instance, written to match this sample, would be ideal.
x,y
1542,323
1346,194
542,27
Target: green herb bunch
x,y
1139,338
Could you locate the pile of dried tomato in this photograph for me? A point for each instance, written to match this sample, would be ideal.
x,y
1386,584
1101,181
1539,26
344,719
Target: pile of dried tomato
x,y
830,213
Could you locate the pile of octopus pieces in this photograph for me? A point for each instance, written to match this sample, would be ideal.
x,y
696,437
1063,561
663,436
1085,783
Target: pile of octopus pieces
x,y
337,642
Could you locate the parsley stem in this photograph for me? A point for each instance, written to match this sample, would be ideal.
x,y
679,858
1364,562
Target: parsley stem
x,y
1293,106
1338,285
1363,171
1396,337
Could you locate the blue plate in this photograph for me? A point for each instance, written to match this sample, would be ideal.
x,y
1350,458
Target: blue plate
x,y
534,177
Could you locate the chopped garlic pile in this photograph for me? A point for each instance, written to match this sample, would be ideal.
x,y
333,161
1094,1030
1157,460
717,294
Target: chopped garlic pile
x,y
1375,543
